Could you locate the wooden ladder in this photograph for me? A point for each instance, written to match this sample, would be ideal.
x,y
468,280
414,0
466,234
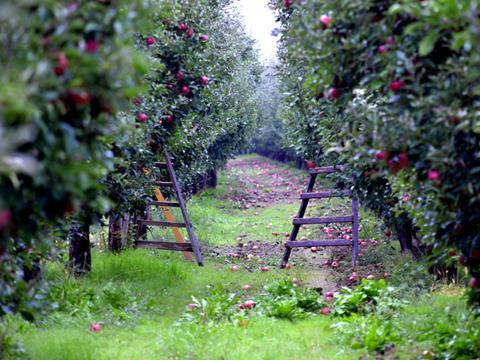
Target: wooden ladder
x,y
180,244
299,220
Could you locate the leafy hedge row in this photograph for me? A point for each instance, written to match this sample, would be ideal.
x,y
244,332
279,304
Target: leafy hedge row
x,y
391,87
91,92
66,72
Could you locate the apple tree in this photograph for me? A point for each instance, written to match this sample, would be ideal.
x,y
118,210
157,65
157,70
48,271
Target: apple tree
x,y
67,69
399,81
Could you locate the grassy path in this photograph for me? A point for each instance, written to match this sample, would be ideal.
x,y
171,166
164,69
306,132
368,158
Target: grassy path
x,y
140,296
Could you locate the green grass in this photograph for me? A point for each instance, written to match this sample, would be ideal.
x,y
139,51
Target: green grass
x,y
166,283
263,339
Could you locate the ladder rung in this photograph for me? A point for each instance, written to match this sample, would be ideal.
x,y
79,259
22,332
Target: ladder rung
x,y
326,220
161,223
325,194
163,203
161,165
326,169
163,183
310,243
165,245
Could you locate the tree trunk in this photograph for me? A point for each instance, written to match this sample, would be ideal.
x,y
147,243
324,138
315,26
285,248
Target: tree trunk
x,y
80,257
404,237
212,179
117,232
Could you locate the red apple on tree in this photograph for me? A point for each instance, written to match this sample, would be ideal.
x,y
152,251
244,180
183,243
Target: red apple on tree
x,y
80,97
62,64
179,75
168,118
397,85
204,80
150,40
5,218
382,49
91,46
403,159
185,90
142,117
334,94
433,175
381,155
183,26
204,38
325,20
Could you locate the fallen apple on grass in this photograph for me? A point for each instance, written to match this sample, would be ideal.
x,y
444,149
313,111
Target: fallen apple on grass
x,y
249,304
325,311
95,327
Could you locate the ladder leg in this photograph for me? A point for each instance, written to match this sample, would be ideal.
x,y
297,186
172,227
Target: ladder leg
x,y
142,229
296,228
355,231
181,201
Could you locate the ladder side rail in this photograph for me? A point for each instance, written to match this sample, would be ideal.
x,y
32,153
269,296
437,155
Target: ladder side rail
x,y
181,201
301,214
355,231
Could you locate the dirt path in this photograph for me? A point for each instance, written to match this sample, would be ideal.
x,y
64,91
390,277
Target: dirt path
x,y
262,183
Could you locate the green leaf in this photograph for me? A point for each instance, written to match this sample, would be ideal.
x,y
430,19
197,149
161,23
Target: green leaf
x,y
413,28
428,42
